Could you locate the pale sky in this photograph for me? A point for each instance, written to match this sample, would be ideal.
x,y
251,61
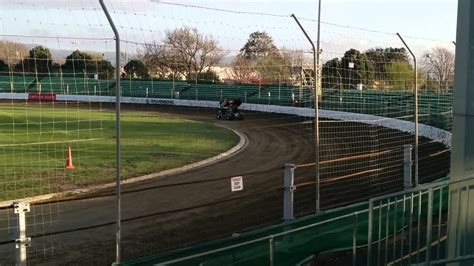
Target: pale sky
x,y
80,24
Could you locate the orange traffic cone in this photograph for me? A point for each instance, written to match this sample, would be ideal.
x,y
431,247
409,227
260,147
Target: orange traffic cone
x,y
69,164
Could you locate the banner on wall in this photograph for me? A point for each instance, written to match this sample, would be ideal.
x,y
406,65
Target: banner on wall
x,y
42,97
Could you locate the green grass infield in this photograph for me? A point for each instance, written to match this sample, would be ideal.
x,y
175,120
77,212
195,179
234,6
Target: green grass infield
x,y
34,141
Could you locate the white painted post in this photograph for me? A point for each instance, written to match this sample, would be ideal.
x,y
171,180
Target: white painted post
x,y
152,87
20,208
407,166
288,191
279,88
259,88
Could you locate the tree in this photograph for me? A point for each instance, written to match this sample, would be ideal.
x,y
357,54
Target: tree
x,y
88,63
105,69
242,70
381,57
3,67
272,69
39,61
184,51
78,62
259,45
152,58
439,63
294,62
331,74
136,69
264,58
12,52
356,69
400,75
209,75
377,68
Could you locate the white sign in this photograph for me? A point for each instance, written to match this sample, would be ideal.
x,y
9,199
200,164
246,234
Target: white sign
x,y
236,183
351,64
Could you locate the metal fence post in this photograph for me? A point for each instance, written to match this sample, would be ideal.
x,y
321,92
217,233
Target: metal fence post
x,y
271,251
118,95
369,231
416,107
20,209
429,225
316,108
288,191
407,166
354,239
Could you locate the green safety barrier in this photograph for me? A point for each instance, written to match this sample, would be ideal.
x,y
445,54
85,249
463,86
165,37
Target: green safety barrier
x,y
292,242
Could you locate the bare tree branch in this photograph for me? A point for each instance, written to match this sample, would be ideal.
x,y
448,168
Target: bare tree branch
x,y
11,52
439,63
184,51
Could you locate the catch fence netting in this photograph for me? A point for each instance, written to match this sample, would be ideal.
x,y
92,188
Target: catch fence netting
x,y
183,143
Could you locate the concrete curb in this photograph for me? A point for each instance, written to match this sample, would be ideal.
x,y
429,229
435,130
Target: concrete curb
x,y
241,145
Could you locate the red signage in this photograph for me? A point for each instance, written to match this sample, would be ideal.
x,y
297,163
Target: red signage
x,y
42,97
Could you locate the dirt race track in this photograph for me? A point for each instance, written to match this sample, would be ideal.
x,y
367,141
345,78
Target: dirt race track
x,y
357,161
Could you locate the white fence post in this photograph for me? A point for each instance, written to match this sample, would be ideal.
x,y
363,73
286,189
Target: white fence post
x,y
288,194
21,241
407,166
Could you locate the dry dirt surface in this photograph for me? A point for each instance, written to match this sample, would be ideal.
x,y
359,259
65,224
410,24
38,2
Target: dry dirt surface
x,y
180,210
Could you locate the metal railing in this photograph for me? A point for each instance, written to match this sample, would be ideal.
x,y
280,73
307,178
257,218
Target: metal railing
x,y
413,226
407,227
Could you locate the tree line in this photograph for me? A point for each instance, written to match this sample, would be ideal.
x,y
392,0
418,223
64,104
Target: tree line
x,y
389,68
38,61
185,53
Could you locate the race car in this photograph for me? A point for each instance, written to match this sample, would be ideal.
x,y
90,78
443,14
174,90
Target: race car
x,y
229,110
